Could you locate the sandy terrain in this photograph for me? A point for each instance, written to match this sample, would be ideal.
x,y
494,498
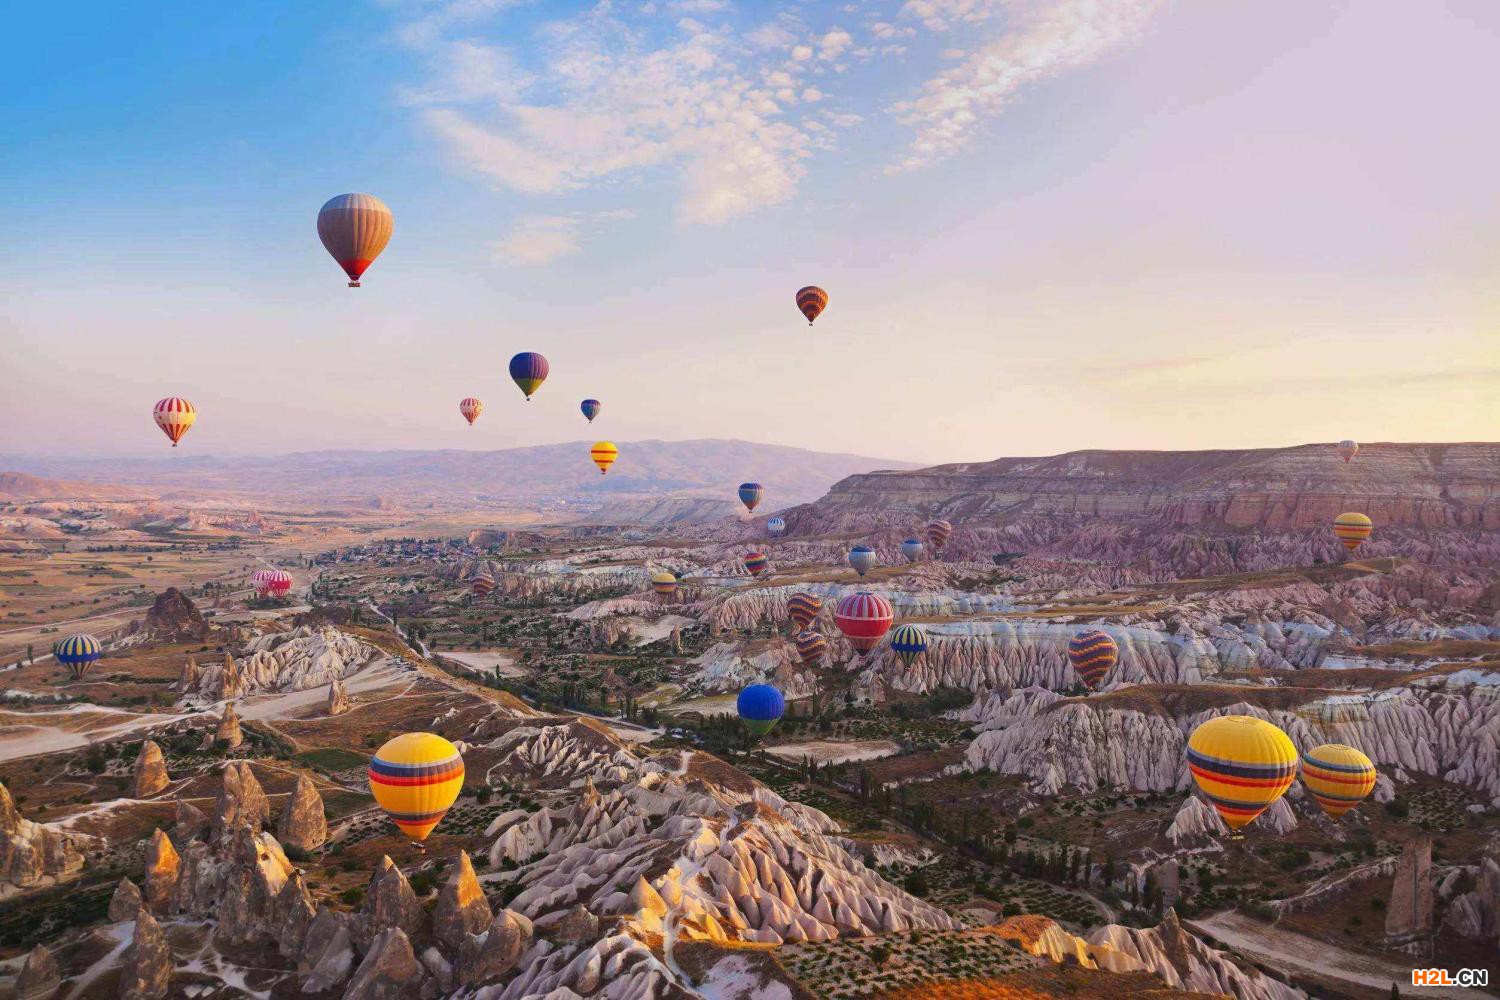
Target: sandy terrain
x,y
835,752
485,663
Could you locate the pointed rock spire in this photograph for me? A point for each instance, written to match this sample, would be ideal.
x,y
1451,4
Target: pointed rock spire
x,y
461,908
150,770
303,824
338,698
147,970
228,735
163,867
242,802
125,903
40,977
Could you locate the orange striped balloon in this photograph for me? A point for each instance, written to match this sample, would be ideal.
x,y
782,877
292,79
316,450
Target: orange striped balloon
x,y
604,454
354,229
811,300
174,415
1352,528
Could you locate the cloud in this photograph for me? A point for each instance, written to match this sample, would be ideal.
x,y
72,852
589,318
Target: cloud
x,y
542,239
1042,40
833,44
941,15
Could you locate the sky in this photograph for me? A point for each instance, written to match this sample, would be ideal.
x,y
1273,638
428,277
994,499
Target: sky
x,y
1043,225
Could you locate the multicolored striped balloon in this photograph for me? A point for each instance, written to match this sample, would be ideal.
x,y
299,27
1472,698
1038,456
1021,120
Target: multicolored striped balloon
x,y
938,532
803,608
810,647
1338,777
1093,654
529,370
1242,764
761,706
911,549
482,585
664,584
862,558
355,228
811,301
591,408
1352,528
77,653
776,526
604,454
415,778
471,408
1347,449
864,618
750,494
909,642
756,563
174,415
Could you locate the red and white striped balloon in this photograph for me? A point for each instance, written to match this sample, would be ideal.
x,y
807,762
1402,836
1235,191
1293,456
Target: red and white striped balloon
x,y
174,415
864,618
471,408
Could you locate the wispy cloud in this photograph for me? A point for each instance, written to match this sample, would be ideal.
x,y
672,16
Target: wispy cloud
x,y
1042,38
542,239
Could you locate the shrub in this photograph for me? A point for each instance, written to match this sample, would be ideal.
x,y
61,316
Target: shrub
x,y
352,896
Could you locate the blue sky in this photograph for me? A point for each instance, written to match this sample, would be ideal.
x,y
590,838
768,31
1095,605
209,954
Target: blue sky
x,y
1043,224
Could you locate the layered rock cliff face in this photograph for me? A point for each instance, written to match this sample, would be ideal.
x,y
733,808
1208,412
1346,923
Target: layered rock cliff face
x,y
1188,512
34,854
302,658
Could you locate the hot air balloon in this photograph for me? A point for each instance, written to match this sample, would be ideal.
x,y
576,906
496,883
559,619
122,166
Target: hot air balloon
x,y
258,579
909,642
77,653
811,301
911,549
664,584
1352,528
1347,449
864,618
415,778
271,582
803,609
528,370
1242,764
862,558
174,415
1338,776
810,647
590,408
750,495
761,706
756,563
482,585
938,532
1092,653
354,229
471,408
604,454
776,526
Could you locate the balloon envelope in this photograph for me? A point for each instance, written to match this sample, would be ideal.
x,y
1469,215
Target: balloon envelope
x,y
590,408
756,563
415,778
1242,764
909,642
803,608
864,618
1338,777
750,494
471,408
604,454
354,229
761,706
938,532
862,558
529,370
776,526
664,584
1347,449
1093,653
77,653
911,549
174,415
1352,528
811,301
482,584
810,647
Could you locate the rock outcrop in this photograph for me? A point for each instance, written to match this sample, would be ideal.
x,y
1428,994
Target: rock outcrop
x,y
487,957
1408,915
308,656
390,970
147,969
36,853
187,680
327,952
227,735
461,910
190,821
174,618
389,903
40,978
338,698
163,868
242,802
150,771
1185,962
126,902
302,823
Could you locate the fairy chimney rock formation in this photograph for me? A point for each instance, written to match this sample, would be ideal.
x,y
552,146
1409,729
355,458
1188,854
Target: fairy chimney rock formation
x,y
150,770
338,698
228,735
40,977
187,681
147,970
461,908
1408,916
230,687
389,903
125,903
174,618
303,824
163,868
32,852
390,969
242,802
483,959
190,821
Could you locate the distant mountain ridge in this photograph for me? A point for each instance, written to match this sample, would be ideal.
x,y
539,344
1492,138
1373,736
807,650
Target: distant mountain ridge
x,y
709,468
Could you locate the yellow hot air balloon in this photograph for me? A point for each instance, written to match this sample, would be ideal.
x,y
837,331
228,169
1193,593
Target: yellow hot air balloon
x,y
415,778
1242,764
1339,777
664,584
1352,528
604,454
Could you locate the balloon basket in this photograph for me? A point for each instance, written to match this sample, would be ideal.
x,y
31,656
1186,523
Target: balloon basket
x,y
353,284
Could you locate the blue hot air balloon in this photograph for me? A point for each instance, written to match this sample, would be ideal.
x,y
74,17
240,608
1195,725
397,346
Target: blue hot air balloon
x,y
776,526
528,370
77,653
590,408
750,494
761,706
911,549
862,558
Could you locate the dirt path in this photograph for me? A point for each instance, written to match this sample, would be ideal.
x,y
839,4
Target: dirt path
x,y
1279,948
